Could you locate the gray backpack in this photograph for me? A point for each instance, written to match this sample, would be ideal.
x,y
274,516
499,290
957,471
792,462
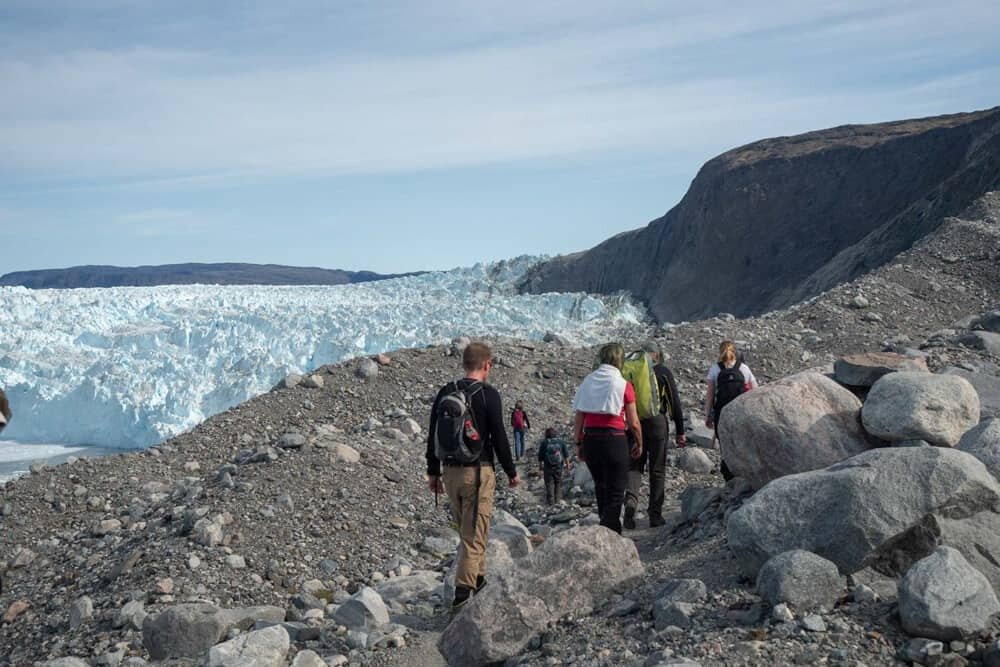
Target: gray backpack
x,y
457,439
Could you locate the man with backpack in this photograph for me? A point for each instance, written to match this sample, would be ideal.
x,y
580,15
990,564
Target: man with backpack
x,y
466,436
645,369
519,423
553,458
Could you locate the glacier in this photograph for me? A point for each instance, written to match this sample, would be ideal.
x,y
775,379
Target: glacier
x,y
131,366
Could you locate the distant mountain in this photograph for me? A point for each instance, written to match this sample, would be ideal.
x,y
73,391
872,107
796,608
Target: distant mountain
x,y
781,220
188,274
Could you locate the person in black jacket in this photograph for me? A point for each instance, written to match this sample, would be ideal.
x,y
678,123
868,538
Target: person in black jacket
x,y
4,410
470,487
655,431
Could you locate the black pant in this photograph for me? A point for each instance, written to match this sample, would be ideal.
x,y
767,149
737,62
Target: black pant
x,y
724,469
553,484
608,460
654,452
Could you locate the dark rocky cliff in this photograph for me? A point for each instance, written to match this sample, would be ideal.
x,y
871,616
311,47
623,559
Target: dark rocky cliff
x,y
780,220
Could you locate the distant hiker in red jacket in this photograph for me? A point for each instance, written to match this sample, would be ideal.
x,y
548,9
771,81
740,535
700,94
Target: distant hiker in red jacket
x,y
520,423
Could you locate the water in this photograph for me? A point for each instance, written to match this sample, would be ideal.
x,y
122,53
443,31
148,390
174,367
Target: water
x,y
16,457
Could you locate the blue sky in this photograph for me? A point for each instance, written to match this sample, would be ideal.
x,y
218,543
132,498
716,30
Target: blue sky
x,y
398,136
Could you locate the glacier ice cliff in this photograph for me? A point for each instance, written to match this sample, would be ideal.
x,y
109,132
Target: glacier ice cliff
x,y
128,367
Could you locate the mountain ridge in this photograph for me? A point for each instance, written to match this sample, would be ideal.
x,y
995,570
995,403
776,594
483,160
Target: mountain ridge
x,y
793,217
188,273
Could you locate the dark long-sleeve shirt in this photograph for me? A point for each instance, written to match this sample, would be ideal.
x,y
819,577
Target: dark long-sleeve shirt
x,y
675,411
4,406
543,449
487,407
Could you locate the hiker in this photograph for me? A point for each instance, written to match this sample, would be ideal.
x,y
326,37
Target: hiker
x,y
4,410
519,423
553,459
466,436
605,410
655,432
727,379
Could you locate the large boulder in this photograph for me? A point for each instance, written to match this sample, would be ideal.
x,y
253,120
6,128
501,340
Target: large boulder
x,y
501,621
921,406
943,597
989,321
864,370
987,387
847,511
802,422
415,586
987,341
802,579
188,630
983,442
259,648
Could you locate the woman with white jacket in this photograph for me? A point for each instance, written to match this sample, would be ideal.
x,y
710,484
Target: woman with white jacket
x,y
605,411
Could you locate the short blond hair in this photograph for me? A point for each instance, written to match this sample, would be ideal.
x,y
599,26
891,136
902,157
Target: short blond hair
x,y
475,356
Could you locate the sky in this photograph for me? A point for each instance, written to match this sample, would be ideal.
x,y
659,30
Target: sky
x,y
397,136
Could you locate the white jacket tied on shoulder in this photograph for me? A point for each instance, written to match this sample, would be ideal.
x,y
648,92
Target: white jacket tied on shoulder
x,y
601,392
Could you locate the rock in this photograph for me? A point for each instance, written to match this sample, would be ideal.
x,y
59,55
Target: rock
x,y
292,380
292,441
307,658
863,370
814,623
989,321
943,597
802,422
847,511
538,593
781,613
987,341
983,442
921,406
131,615
697,499
441,545
987,387
502,517
701,436
207,533
107,527
683,590
367,369
258,648
382,359
63,662
188,630
860,301
499,559
410,427
81,611
22,558
918,650
677,614
313,381
864,594
695,461
416,586
364,611
802,579
16,608
235,562
345,453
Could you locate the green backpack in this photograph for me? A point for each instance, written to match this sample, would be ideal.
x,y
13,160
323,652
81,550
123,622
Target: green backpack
x,y
638,370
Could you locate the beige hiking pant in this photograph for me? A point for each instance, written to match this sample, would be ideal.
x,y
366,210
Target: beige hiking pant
x,y
460,484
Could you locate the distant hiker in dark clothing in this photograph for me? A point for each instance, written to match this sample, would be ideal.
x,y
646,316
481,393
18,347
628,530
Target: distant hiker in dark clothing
x,y
466,436
553,459
4,410
519,423
655,431
727,379
605,409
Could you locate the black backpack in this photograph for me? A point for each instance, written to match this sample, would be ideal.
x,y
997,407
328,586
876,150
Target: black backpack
x,y
554,453
728,385
456,436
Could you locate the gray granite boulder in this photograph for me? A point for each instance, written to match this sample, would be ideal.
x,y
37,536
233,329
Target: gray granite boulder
x,y
802,579
921,406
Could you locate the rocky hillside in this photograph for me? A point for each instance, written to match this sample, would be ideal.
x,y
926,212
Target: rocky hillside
x,y
185,274
297,527
769,224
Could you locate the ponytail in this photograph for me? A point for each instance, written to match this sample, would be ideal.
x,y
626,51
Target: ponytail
x,y
727,353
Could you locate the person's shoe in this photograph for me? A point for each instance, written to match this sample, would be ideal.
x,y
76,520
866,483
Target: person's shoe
x,y
462,597
480,584
656,520
629,522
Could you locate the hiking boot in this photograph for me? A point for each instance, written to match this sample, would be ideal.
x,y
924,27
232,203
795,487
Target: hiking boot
x,y
655,520
629,522
462,597
480,584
